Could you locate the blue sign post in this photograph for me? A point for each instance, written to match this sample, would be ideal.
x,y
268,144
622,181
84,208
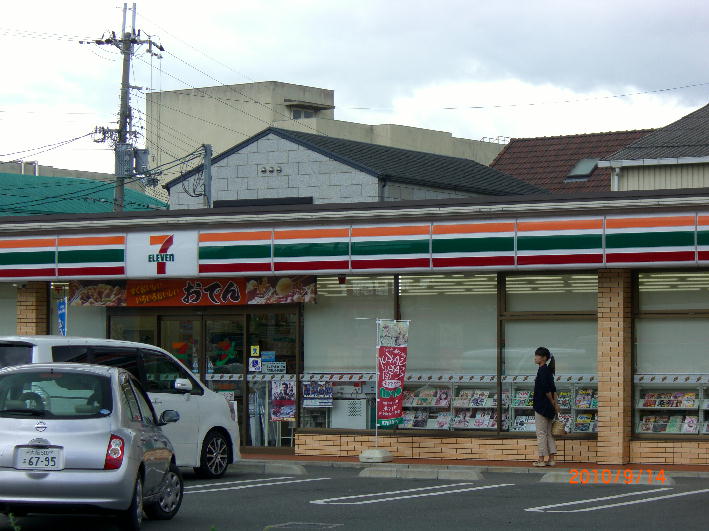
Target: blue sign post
x,y
61,315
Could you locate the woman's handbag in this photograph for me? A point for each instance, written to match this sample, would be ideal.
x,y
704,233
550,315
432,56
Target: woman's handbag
x,y
558,427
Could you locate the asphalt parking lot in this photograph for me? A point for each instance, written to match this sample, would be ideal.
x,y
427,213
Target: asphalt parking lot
x,y
327,498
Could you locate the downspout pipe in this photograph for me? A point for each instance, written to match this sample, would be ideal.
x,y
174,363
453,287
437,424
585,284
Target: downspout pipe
x,y
615,180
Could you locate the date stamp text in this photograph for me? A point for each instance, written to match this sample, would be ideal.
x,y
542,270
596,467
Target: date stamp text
x,y
607,476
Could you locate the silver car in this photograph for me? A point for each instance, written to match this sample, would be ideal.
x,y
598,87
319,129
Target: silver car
x,y
84,438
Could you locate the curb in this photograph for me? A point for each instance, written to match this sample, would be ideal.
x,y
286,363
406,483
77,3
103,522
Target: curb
x,y
427,471
406,472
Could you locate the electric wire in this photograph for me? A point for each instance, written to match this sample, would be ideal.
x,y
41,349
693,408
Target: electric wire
x,y
53,145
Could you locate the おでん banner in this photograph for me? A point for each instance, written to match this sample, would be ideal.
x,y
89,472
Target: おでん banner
x,y
392,349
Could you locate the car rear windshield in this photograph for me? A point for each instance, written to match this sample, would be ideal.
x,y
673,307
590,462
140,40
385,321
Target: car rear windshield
x,y
55,394
12,354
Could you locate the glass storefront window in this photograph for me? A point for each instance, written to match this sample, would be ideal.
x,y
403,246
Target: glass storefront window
x,y
340,329
453,322
670,345
552,293
572,342
82,321
224,344
140,328
182,338
661,291
673,345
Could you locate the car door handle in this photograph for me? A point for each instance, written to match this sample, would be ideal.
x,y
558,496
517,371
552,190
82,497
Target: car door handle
x,y
156,402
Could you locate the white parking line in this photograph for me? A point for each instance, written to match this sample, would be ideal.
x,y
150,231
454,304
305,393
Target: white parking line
x,y
620,504
254,485
589,500
234,482
336,501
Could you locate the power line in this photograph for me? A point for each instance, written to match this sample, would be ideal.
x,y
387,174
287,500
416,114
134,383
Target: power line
x,y
54,145
577,100
42,35
180,111
198,50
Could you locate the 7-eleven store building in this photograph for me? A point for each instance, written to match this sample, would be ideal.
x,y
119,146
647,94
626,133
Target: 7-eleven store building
x,y
265,302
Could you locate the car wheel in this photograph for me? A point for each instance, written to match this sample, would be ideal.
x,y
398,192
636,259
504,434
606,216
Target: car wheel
x,y
170,498
214,459
132,518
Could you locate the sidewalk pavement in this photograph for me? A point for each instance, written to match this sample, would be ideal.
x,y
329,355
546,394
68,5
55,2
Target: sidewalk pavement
x,y
453,469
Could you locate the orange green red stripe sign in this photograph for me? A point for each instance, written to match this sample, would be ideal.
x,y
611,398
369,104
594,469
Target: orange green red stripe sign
x,y
482,244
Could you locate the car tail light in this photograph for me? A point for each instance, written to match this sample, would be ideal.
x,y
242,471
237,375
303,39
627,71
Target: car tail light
x,y
114,453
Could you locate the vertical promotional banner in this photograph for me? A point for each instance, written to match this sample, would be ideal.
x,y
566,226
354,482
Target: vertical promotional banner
x,y
392,349
61,316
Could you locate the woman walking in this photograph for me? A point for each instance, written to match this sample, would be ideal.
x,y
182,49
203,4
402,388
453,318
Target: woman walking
x,y
545,405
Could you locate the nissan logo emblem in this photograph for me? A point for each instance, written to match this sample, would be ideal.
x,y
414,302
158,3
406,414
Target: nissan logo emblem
x,y
40,426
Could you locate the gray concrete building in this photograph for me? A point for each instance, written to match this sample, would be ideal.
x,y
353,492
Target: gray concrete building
x,y
279,164
180,121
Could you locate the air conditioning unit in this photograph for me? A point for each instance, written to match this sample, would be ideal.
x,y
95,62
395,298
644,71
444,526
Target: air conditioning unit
x,y
349,414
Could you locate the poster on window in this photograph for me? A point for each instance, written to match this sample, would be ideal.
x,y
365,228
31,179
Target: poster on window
x,y
317,394
282,401
392,350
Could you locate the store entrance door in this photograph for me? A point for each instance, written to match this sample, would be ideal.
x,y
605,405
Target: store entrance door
x,y
219,348
224,363
273,339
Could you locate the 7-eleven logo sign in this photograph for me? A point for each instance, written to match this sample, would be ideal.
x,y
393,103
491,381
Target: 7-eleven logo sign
x,y
162,256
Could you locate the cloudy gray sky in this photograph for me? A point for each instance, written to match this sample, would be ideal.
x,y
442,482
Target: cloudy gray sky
x,y
474,68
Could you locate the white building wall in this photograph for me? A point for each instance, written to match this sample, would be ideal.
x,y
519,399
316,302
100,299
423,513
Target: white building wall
x,y
664,177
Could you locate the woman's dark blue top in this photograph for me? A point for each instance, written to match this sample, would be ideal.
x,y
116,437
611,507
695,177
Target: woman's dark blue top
x,y
543,384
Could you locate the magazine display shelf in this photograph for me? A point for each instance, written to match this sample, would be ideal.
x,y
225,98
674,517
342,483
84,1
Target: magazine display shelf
x,y
671,404
450,402
578,401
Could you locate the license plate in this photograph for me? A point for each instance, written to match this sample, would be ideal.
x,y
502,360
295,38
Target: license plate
x,y
34,458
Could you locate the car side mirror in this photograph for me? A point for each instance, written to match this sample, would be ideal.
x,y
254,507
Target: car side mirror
x,y
168,416
183,385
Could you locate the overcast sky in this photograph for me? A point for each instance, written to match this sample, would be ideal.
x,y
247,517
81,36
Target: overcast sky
x,y
529,68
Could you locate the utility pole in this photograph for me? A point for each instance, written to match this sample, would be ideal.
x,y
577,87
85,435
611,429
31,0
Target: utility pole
x,y
207,167
124,116
123,149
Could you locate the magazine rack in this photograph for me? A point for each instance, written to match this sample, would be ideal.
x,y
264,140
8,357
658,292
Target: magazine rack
x,y
671,404
578,401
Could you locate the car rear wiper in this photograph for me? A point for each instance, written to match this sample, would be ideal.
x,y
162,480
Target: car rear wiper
x,y
28,412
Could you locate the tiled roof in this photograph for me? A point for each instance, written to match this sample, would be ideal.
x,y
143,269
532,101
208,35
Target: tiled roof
x,y
398,165
545,162
687,137
30,194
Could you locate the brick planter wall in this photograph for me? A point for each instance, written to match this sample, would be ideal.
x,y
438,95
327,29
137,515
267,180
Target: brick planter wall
x,y
441,447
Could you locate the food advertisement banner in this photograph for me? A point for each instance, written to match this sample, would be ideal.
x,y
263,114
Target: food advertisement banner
x,y
234,291
282,401
392,351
